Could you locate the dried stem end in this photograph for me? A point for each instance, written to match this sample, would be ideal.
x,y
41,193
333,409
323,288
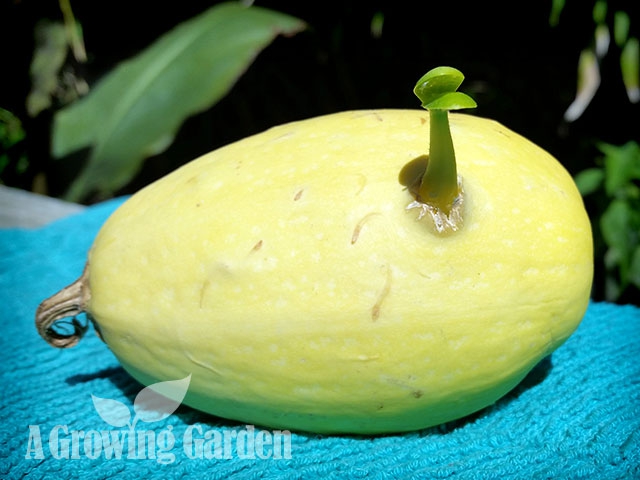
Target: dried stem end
x,y
68,302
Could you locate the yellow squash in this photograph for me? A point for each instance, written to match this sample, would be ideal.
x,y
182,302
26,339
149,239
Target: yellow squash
x,y
286,275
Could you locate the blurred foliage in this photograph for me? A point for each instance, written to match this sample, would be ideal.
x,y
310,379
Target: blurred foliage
x,y
589,77
53,77
615,214
136,109
351,55
12,134
613,185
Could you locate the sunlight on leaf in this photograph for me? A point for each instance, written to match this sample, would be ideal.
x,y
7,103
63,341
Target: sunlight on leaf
x,y
588,83
603,39
114,412
159,400
630,67
48,58
135,111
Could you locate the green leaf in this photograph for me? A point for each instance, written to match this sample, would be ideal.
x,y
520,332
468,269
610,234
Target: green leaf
x,y
622,165
556,9
436,89
630,68
135,111
588,84
621,24
634,268
615,223
48,57
600,11
11,129
452,101
589,180
620,225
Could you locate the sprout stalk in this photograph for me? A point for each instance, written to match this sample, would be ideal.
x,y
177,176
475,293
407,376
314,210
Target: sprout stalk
x,y
439,186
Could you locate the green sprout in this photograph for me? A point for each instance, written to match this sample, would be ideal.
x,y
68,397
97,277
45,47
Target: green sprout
x,y
439,190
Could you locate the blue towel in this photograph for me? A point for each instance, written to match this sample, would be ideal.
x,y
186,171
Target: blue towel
x,y
577,415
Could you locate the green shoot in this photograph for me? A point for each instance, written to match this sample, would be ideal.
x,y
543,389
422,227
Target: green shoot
x,y
439,191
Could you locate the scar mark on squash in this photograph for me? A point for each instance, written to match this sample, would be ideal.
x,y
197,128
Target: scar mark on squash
x,y
298,195
256,247
417,393
206,366
360,224
367,113
362,182
284,136
203,290
375,311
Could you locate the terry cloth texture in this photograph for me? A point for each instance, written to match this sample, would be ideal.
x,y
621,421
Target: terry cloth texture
x,y
577,415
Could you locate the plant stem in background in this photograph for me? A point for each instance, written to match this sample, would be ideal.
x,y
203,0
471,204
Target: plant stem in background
x,y
74,33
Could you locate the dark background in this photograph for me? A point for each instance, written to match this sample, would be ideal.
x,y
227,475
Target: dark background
x,y
521,71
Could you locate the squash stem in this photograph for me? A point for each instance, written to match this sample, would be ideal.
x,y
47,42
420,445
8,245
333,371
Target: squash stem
x,y
68,302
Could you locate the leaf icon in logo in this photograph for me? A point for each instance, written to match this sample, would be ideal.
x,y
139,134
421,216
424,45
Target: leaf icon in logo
x,y
113,412
159,400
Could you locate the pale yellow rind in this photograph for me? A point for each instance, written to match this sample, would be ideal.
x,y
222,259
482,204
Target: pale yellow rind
x,y
284,273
